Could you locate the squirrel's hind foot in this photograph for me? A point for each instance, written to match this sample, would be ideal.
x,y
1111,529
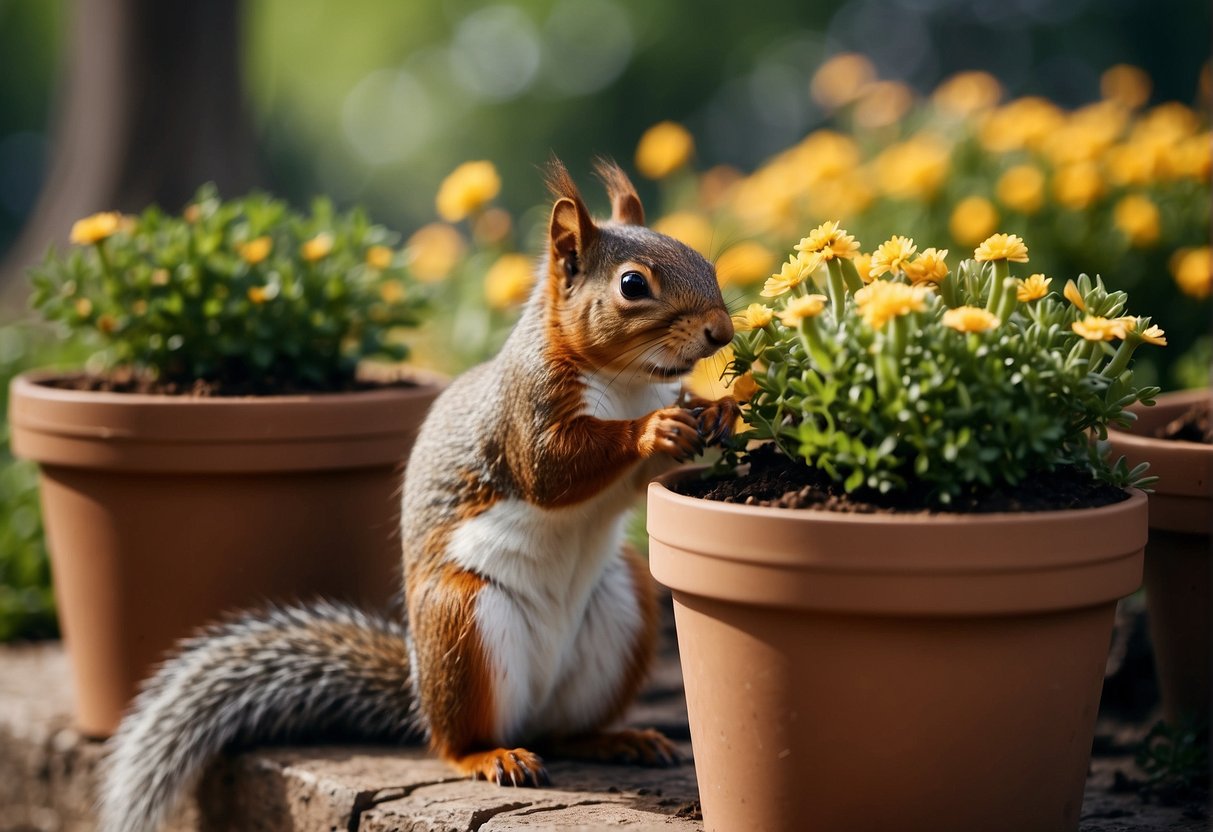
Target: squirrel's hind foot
x,y
636,747
505,767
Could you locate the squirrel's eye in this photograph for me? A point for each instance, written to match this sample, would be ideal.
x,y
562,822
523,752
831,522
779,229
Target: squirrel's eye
x,y
634,286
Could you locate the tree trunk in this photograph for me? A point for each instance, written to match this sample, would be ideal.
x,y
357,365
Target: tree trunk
x,y
151,107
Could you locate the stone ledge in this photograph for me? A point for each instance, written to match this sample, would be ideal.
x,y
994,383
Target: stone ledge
x,y
47,777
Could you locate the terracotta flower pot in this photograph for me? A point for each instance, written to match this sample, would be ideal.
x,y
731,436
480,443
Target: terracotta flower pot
x,y
1177,574
165,512
876,672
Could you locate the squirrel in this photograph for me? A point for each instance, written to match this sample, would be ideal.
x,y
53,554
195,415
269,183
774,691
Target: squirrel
x,y
530,624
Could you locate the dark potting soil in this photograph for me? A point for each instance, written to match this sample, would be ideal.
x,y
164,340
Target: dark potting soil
x,y
774,480
1193,426
205,389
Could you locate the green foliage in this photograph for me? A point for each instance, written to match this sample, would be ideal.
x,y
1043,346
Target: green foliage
x,y
244,292
884,389
26,602
1176,757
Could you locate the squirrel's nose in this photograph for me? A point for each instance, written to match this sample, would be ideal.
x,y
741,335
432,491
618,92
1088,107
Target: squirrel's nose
x,y
719,328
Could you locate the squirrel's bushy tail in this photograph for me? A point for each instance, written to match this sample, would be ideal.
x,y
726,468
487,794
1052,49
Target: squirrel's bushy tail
x,y
259,677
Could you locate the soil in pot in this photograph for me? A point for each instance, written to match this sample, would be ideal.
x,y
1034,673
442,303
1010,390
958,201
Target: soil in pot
x,y
774,480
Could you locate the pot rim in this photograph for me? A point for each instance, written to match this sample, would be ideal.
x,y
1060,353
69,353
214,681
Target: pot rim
x,y
1011,563
1082,533
145,433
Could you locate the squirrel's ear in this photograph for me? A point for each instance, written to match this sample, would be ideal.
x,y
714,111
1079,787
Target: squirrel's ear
x,y
625,202
570,229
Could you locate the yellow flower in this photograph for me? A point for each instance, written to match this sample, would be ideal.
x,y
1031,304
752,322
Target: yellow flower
x,y
392,291
95,228
1095,328
1032,288
1022,188
466,190
882,300
1127,85
160,277
433,251
256,250
1002,247
317,248
744,264
808,306
83,307
1193,271
1154,335
928,267
755,316
744,387
892,255
1026,122
1086,134
966,93
664,148
1193,157
492,226
1072,294
840,80
1077,185
509,281
705,379
1137,217
970,319
973,219
687,227
830,241
260,294
792,274
883,103
192,213
863,265
913,169
107,323
379,257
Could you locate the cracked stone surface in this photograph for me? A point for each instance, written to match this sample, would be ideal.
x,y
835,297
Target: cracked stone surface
x,y
47,775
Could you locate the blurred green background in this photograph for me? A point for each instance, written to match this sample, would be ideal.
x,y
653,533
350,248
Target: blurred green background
x,y
376,100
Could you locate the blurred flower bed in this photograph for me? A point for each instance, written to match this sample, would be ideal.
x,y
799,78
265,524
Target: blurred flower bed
x,y
1115,188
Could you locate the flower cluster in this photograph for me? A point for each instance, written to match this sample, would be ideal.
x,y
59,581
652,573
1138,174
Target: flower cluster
x,y
1114,187
244,292
919,375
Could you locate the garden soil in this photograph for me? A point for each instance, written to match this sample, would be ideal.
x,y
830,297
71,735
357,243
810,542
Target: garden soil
x,y
774,480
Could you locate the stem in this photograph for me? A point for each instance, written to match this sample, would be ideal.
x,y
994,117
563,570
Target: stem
x,y
1120,361
851,275
901,332
815,345
947,291
838,292
1010,300
1001,271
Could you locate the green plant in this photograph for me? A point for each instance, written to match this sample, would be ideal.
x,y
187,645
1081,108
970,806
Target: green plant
x,y
244,292
27,608
911,374
1176,757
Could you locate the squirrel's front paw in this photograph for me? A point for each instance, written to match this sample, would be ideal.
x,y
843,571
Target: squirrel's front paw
x,y
716,419
672,431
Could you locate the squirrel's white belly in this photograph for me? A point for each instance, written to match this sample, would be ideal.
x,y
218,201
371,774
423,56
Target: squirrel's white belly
x,y
547,570
558,617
